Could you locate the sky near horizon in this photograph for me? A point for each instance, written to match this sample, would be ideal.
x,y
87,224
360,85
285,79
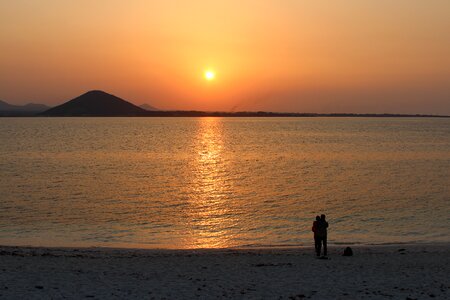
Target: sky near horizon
x,y
288,55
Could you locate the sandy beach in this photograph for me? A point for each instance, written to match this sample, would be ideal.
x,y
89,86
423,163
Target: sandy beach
x,y
374,272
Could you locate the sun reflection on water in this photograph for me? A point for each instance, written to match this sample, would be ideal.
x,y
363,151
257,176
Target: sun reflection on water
x,y
210,216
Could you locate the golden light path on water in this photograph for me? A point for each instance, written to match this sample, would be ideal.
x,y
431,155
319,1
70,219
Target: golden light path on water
x,y
210,215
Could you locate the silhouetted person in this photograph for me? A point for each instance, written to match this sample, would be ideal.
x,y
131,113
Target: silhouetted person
x,y
316,238
321,233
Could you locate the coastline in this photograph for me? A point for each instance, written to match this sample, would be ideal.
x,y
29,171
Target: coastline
x,y
222,114
396,271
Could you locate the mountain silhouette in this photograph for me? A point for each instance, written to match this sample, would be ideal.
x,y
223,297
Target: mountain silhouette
x,y
95,103
148,107
30,107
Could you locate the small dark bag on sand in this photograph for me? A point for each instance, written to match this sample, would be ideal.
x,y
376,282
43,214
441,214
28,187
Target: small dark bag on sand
x,y
348,252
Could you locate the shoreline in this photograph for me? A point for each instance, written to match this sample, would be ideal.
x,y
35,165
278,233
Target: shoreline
x,y
134,247
374,272
201,114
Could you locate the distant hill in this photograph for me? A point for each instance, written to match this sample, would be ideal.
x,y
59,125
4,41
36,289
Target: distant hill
x,y
95,103
29,109
4,106
35,107
148,107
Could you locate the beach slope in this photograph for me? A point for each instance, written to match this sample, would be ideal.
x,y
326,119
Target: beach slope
x,y
375,272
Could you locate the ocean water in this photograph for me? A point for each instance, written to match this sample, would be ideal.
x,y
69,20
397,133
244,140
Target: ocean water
x,y
222,182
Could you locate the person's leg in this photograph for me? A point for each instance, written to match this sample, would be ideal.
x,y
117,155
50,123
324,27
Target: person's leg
x,y
317,245
325,246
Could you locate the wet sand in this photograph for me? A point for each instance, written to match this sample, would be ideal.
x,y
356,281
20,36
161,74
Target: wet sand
x,y
374,272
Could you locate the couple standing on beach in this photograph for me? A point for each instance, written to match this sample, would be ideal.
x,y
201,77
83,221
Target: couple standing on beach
x,y
319,228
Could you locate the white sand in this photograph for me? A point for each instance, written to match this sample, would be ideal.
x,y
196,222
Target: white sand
x,y
374,272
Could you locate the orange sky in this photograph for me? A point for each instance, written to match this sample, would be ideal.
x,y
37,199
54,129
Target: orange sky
x,y
287,55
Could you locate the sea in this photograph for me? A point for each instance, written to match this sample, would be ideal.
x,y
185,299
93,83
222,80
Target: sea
x,y
188,183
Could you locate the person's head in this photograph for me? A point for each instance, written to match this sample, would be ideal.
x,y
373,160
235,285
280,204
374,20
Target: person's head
x,y
317,218
322,217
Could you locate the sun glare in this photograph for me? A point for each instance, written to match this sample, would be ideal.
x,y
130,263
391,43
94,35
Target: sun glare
x,y
209,75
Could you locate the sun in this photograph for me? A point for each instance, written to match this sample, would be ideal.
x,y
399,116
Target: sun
x,y
210,75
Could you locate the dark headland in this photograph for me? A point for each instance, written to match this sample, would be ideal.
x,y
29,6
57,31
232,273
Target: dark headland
x,y
101,104
95,103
